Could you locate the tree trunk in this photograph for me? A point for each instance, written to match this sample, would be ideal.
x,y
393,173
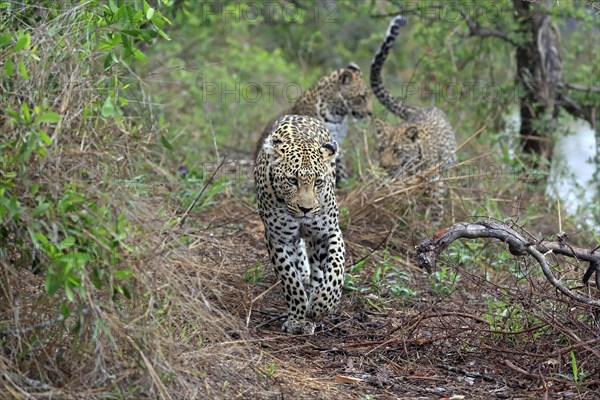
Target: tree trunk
x,y
539,74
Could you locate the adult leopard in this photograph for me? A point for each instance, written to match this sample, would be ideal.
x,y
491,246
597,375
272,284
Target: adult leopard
x,y
295,180
331,99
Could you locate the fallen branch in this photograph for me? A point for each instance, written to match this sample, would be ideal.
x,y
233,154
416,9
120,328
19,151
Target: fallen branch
x,y
208,182
429,249
40,325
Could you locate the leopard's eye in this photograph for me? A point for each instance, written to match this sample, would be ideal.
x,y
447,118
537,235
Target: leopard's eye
x,y
292,180
319,182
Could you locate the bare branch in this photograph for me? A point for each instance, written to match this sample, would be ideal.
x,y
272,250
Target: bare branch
x,y
428,250
476,30
582,88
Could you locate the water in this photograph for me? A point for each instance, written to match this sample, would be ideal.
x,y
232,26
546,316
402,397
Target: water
x,y
573,168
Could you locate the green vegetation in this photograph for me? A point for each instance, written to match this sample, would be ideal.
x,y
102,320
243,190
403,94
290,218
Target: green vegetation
x,y
68,98
115,116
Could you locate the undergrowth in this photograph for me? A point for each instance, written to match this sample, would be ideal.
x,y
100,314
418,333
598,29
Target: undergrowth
x,y
113,286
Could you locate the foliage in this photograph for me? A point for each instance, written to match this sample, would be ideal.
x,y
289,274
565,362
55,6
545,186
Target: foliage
x,y
443,281
387,280
71,78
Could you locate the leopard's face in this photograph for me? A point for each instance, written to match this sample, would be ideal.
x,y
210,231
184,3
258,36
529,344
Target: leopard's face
x,y
402,149
302,173
345,92
356,92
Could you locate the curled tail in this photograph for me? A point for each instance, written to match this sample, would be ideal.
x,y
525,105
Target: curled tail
x,y
394,104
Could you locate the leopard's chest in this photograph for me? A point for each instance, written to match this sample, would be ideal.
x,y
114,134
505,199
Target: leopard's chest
x,y
337,129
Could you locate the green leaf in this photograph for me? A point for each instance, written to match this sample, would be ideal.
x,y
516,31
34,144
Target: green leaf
x,y
23,70
51,283
4,39
23,42
40,209
109,109
45,138
109,44
69,293
96,279
149,13
69,241
166,143
25,112
40,238
108,61
125,292
139,55
164,35
42,152
9,67
50,117
27,148
64,309
123,273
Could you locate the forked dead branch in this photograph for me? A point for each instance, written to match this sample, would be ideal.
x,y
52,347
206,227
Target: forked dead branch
x,y
429,249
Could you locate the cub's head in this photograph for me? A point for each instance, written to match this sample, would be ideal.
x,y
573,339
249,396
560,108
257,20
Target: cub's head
x,y
348,93
400,148
302,157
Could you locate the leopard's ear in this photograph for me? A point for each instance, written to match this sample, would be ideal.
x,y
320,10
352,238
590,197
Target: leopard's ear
x,y
381,130
346,77
273,144
329,151
277,144
412,132
353,67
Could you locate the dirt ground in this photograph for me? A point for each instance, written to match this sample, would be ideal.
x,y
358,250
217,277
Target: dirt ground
x,y
431,346
205,317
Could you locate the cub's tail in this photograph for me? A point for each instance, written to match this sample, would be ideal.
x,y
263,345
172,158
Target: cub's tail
x,y
394,104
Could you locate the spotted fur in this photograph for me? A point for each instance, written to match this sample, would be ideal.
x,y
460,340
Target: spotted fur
x,y
423,141
335,96
295,180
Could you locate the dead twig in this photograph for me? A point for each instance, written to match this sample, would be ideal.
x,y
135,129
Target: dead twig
x,y
541,378
475,375
429,249
185,214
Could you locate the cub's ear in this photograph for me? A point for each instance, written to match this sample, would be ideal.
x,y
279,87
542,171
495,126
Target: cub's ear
x,y
381,129
329,151
412,133
353,67
346,77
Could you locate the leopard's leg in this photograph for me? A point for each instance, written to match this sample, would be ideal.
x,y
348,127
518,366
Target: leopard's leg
x,y
341,173
303,256
327,270
289,264
437,190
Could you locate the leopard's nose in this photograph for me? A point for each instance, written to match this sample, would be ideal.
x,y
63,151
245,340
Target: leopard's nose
x,y
304,210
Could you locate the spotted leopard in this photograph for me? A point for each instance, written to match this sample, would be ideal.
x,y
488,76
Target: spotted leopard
x,y
331,99
295,179
423,141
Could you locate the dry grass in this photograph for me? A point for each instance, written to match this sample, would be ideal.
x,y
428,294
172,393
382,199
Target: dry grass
x,y
196,329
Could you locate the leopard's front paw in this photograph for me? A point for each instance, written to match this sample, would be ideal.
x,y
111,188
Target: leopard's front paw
x,y
298,327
